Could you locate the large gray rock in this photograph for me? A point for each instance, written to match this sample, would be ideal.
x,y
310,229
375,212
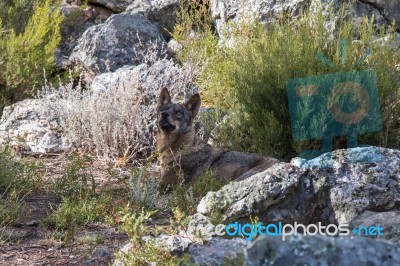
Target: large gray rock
x,y
163,73
353,186
122,40
175,244
160,12
31,127
219,251
76,20
320,250
258,193
288,193
389,221
390,9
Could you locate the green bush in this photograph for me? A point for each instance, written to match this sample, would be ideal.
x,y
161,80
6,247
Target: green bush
x,y
81,201
76,213
187,196
77,182
248,80
17,179
142,252
143,188
22,175
194,32
27,46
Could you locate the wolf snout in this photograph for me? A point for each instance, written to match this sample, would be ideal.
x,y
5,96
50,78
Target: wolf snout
x,y
165,125
164,115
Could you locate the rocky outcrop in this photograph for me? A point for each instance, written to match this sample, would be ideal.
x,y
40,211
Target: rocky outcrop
x,y
161,13
258,193
389,9
163,72
120,41
294,192
321,250
294,250
389,221
225,12
219,251
31,127
77,20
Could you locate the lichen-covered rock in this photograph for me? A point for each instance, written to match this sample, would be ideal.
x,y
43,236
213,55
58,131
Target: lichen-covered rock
x,y
390,9
321,250
121,40
364,178
288,193
160,12
225,12
389,221
76,20
161,73
173,243
32,127
219,251
255,194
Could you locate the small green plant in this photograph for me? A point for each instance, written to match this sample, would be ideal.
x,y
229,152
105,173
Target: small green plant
x,y
72,214
77,182
8,235
194,32
142,252
21,174
12,208
80,202
143,188
91,240
187,196
180,218
17,180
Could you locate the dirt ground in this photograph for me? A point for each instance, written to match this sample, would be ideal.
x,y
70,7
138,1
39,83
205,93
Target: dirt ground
x,y
31,243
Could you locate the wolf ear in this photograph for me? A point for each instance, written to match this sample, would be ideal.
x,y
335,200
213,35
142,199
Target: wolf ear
x,y
193,105
164,98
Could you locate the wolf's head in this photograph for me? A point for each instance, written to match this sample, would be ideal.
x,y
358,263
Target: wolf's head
x,y
174,117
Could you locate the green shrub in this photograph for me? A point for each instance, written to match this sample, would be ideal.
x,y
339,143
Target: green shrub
x,y
142,252
76,213
72,214
12,208
248,80
81,201
20,175
194,32
17,179
77,182
29,35
143,188
16,13
186,197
